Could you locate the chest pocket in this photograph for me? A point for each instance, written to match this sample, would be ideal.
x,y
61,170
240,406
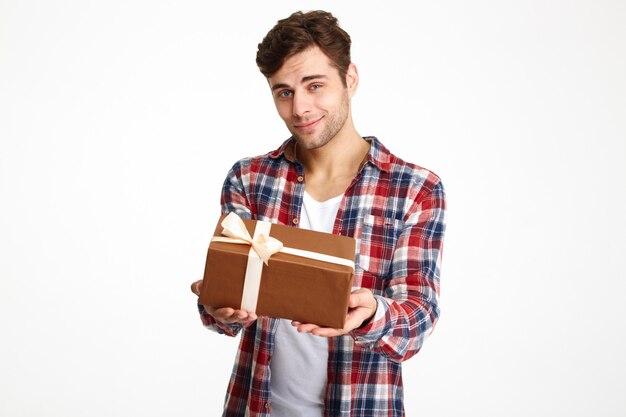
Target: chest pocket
x,y
377,237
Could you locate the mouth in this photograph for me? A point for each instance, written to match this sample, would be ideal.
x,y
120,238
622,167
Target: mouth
x,y
309,125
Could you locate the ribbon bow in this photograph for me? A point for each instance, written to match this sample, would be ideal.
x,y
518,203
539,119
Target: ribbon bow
x,y
236,232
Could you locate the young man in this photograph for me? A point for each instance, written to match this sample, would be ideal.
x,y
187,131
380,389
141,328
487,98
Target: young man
x,y
327,177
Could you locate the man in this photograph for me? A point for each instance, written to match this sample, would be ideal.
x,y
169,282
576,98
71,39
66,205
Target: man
x,y
327,177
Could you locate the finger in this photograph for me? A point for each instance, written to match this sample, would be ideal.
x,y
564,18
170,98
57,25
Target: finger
x,y
354,301
196,287
327,332
244,317
307,328
223,314
231,315
352,322
361,297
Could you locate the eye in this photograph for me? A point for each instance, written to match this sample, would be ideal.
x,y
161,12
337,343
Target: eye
x,y
284,94
315,86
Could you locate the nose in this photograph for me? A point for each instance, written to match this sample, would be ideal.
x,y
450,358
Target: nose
x,y
300,105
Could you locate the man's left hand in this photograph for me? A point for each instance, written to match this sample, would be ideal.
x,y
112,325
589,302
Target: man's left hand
x,y
361,308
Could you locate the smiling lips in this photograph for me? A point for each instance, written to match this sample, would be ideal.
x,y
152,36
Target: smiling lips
x,y
308,125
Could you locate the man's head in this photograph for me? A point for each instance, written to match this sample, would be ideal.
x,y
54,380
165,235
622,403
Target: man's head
x,y
299,32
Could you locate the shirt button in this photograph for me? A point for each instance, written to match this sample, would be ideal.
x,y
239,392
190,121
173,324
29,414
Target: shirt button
x,y
300,178
295,221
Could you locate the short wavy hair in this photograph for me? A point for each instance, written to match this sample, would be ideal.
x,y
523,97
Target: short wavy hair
x,y
299,32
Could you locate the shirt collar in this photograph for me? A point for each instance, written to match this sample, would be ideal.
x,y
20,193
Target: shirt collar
x,y
286,149
378,155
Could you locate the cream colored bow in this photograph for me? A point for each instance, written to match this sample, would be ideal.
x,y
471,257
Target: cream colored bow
x,y
236,232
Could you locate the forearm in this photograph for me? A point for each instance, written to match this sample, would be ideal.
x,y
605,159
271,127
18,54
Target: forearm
x,y
399,328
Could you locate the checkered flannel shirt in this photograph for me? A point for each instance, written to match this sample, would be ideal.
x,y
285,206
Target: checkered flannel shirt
x,y
395,210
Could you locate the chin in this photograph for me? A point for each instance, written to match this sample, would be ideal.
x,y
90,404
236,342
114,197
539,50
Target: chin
x,y
310,143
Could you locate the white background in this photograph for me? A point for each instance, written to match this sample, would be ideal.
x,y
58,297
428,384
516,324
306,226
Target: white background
x,y
119,120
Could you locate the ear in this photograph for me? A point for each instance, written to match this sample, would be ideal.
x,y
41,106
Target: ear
x,y
352,80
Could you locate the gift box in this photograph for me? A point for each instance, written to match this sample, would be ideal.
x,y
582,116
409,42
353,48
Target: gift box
x,y
309,278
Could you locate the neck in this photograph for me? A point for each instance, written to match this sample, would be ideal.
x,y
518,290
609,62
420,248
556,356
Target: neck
x,y
341,156
331,169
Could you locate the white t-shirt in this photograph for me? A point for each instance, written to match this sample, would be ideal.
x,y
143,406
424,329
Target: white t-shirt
x,y
300,360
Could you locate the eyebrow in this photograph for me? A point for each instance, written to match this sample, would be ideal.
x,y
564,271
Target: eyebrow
x,y
304,80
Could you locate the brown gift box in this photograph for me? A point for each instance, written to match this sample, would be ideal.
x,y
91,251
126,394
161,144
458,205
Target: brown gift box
x,y
292,287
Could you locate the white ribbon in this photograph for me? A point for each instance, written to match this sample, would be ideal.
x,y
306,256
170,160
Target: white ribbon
x,y
262,247
236,232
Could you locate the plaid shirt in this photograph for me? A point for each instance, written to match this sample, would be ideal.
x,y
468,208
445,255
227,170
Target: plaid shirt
x,y
395,210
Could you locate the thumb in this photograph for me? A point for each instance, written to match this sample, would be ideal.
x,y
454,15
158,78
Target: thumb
x,y
196,287
359,298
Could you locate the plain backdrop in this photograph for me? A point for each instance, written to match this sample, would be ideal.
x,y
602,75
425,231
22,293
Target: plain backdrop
x,y
119,120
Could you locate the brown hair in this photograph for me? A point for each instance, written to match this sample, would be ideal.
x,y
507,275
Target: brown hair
x,y
299,32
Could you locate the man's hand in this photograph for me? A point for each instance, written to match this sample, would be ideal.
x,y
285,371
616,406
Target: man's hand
x,y
361,308
224,314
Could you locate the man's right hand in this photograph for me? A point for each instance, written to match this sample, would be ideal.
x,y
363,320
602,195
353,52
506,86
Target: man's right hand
x,y
224,314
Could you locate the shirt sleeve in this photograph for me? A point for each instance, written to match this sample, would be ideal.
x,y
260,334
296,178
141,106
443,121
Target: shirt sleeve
x,y
233,200
408,309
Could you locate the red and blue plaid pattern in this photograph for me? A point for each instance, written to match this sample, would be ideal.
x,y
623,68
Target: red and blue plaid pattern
x,y
395,210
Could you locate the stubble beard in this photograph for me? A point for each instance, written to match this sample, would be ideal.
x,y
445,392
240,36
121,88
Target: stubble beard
x,y
335,121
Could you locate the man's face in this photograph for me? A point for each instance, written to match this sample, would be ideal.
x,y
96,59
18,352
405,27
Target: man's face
x,y
311,98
